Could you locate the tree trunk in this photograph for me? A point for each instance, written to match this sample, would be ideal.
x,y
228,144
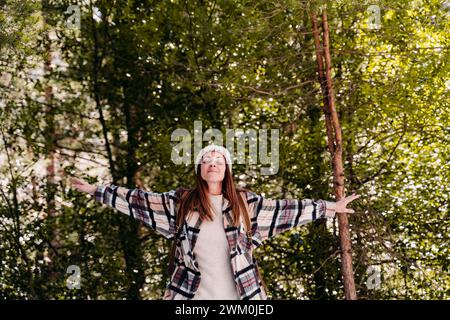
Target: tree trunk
x,y
334,134
131,236
50,133
129,232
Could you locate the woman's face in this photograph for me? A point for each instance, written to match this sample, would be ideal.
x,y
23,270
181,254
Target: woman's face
x,y
213,167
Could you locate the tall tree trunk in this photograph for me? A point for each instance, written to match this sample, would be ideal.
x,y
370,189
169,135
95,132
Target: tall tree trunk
x,y
334,134
323,84
129,233
50,133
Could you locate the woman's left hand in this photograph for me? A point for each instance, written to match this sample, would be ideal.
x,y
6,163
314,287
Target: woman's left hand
x,y
342,204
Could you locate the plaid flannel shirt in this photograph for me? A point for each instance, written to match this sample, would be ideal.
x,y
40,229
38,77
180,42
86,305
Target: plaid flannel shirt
x,y
268,219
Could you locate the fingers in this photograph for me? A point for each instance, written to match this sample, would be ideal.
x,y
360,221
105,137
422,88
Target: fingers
x,y
345,201
346,210
75,181
352,197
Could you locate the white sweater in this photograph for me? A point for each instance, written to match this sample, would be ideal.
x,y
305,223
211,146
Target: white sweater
x,y
213,256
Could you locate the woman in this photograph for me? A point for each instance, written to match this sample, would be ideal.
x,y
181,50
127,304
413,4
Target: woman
x,y
218,262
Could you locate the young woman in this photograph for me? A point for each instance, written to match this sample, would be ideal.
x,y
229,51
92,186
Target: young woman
x,y
216,227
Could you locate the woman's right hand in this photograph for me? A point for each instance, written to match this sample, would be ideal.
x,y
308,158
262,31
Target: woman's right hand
x,y
82,186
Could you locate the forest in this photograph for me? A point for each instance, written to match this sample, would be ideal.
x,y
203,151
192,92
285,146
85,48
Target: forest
x,y
96,88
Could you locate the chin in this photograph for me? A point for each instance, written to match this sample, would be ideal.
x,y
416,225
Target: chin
x,y
214,179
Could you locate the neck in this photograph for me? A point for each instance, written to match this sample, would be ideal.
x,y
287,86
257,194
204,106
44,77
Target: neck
x,y
215,188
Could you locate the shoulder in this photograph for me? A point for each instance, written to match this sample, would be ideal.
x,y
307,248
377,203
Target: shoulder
x,y
180,193
251,196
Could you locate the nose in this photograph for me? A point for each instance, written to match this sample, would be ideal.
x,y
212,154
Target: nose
x,y
212,165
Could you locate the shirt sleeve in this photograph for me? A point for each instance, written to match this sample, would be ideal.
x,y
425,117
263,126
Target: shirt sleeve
x,y
276,216
156,210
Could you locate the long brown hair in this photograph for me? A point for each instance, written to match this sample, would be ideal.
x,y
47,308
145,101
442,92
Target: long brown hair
x,y
196,199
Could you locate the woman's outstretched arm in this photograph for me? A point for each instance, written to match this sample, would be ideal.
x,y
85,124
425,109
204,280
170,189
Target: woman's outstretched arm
x,y
156,210
276,216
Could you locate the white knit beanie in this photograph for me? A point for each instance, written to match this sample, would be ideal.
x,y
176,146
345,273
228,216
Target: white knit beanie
x,y
212,147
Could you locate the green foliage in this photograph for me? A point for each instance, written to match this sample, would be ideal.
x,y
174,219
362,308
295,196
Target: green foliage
x,y
137,70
